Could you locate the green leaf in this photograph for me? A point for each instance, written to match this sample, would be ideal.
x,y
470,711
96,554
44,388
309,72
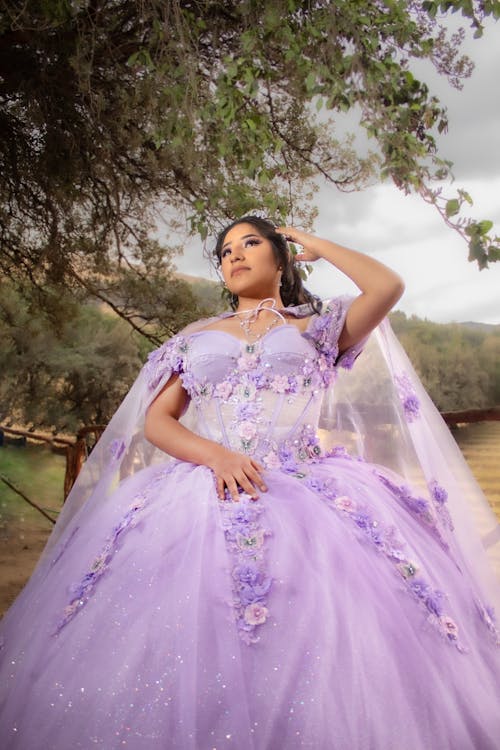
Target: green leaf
x,y
484,226
310,82
466,197
452,207
494,253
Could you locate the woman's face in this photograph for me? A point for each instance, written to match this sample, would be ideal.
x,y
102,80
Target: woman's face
x,y
248,263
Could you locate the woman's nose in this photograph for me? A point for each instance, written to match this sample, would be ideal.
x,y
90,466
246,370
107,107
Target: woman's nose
x,y
237,254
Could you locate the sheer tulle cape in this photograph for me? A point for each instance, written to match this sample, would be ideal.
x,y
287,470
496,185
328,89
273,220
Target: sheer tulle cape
x,y
377,409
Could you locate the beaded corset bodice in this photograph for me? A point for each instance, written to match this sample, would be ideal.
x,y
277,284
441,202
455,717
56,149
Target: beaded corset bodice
x,y
261,398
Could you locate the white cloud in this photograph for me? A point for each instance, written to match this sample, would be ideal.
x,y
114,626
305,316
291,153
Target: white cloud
x,y
410,237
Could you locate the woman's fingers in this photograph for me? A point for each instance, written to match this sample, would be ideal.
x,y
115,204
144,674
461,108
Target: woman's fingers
x,y
257,465
219,485
245,484
233,489
243,476
256,478
238,483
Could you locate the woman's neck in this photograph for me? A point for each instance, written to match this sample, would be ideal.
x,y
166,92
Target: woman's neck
x,y
250,303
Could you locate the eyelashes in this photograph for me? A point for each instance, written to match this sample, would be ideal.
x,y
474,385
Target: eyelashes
x,y
228,249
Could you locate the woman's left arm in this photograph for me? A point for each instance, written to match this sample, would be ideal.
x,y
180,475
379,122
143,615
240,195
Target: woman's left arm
x,y
380,286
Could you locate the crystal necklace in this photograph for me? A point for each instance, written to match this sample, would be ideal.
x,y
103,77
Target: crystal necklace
x,y
251,318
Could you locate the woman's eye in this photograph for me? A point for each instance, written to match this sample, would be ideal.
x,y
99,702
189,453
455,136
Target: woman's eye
x,y
247,242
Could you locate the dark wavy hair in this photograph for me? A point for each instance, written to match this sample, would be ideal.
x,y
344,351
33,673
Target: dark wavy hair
x,y
293,291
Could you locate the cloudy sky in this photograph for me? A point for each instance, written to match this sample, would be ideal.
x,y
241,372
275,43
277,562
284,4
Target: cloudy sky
x,y
409,235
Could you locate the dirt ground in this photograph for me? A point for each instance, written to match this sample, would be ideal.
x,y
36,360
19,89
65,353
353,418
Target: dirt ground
x,y
19,553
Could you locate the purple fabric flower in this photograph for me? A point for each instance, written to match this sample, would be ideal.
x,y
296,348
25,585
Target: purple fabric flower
x,y
362,520
246,411
408,397
116,448
411,406
243,515
189,384
438,493
167,358
433,602
487,613
417,504
338,451
247,573
247,594
420,587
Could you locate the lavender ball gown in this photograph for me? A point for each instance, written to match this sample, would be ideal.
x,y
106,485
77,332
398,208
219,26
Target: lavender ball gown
x,y
327,614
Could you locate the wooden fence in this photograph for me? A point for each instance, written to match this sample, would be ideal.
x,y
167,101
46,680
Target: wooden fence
x,y
76,449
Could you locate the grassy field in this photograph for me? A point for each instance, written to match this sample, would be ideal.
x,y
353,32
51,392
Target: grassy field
x,y
23,530
37,471
40,475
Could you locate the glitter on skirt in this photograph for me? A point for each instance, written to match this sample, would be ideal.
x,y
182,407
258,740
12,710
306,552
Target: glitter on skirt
x,y
327,614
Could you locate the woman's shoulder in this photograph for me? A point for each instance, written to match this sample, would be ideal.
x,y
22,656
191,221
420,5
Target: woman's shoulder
x,y
325,311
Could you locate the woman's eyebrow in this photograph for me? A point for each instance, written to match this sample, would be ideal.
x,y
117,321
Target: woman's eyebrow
x,y
243,238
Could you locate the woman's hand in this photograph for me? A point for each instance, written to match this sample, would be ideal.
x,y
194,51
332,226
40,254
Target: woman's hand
x,y
380,286
307,241
234,469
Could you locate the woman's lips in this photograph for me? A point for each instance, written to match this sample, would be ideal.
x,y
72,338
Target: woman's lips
x,y
237,270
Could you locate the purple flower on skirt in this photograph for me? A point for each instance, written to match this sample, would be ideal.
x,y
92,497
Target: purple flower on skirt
x,y
420,587
433,602
248,595
243,516
363,520
255,593
417,504
338,451
316,484
247,573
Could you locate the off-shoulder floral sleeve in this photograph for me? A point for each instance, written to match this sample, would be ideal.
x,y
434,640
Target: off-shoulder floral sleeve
x,y
325,332
165,361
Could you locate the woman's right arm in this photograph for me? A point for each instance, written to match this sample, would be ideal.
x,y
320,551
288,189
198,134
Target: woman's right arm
x,y
163,429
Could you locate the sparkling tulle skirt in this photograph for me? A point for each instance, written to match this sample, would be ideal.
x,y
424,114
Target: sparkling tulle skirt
x,y
328,614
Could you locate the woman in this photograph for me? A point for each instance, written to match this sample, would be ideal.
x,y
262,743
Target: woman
x,y
263,588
